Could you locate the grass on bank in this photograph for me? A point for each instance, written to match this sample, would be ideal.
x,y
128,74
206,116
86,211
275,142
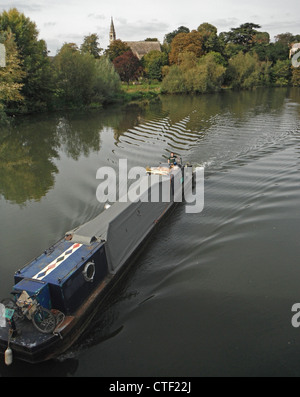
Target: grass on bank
x,y
137,92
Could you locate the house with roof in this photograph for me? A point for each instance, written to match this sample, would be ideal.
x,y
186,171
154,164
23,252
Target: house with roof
x,y
139,48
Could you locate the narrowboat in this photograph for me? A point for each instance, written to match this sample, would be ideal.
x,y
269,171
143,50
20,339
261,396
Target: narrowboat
x,y
56,295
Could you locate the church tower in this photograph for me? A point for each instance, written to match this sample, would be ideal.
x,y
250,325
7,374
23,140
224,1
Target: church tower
x,y
112,33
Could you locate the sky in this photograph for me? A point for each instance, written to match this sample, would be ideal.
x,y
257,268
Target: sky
x,y
61,21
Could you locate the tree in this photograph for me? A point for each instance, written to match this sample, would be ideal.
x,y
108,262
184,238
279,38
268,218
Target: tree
x,y
37,82
91,45
116,48
243,71
11,76
277,51
261,38
153,63
174,82
75,73
195,75
128,66
282,73
107,81
296,77
170,36
186,42
285,38
82,80
243,35
211,40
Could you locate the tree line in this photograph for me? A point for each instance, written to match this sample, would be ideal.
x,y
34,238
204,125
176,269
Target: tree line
x,y
196,61
203,60
32,81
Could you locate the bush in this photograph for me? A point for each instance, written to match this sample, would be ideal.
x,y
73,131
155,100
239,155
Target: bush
x,y
244,71
194,75
282,73
83,80
174,82
296,77
107,81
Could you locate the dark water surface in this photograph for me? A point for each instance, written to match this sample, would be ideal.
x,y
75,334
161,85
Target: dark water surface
x,y
211,293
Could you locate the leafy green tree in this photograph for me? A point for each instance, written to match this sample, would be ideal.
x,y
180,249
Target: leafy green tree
x,y
211,41
174,82
282,73
91,45
116,48
243,35
211,66
11,76
266,77
296,77
261,43
153,63
37,81
82,80
107,81
261,38
170,36
230,50
243,71
75,73
285,38
277,51
195,75
186,42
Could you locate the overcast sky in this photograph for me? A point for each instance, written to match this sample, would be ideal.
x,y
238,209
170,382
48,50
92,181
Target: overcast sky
x,y
60,21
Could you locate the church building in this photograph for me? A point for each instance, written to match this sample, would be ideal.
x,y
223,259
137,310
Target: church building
x,y
139,48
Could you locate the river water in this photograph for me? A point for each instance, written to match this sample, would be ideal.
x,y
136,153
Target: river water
x,y
212,293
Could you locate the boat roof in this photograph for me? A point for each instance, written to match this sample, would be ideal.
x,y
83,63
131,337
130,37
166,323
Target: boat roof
x,y
58,263
97,228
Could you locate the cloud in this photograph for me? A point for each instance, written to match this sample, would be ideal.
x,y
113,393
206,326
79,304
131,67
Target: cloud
x,y
22,6
97,16
140,30
226,23
49,24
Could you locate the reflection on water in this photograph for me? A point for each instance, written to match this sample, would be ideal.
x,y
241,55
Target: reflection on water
x,y
28,150
210,294
27,170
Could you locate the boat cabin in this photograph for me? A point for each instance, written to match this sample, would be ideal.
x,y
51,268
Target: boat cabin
x,y
63,276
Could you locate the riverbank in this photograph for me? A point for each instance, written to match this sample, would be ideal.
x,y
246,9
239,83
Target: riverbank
x,y
141,93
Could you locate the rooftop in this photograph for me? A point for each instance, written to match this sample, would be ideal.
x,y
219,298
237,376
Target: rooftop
x,y
141,48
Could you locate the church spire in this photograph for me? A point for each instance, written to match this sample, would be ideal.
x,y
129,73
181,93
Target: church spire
x,y
112,33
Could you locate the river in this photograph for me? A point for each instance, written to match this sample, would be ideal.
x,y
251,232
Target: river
x,y
212,293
